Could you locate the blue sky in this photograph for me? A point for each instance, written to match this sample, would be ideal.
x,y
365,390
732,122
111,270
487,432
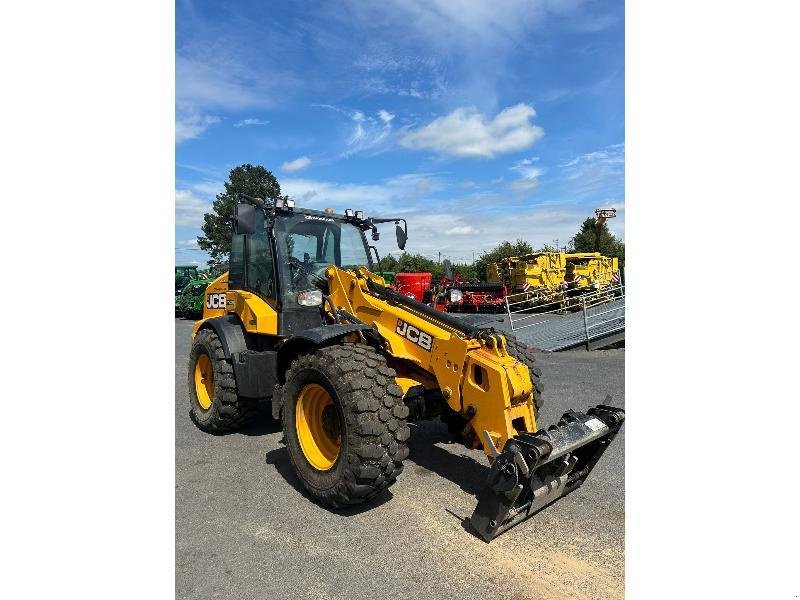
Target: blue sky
x,y
476,121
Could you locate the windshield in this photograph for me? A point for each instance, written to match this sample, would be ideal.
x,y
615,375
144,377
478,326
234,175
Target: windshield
x,y
307,244
184,275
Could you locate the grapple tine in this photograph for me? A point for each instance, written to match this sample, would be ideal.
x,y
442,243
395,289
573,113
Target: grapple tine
x,y
535,469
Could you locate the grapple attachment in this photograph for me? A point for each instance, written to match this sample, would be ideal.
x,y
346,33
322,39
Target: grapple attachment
x,y
536,469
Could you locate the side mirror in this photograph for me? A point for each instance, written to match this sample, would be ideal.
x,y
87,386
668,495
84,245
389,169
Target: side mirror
x,y
244,219
402,236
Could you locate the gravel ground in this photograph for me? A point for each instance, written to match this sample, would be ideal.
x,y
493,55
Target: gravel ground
x,y
245,529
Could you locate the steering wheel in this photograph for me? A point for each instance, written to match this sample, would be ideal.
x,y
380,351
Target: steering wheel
x,y
304,273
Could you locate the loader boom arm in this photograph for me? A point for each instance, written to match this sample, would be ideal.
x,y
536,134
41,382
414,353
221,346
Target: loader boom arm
x,y
472,368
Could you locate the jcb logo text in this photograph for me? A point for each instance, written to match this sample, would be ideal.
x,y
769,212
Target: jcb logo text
x,y
420,338
215,301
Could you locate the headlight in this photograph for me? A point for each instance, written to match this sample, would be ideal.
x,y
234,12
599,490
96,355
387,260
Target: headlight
x,y
360,215
348,212
456,296
289,203
310,298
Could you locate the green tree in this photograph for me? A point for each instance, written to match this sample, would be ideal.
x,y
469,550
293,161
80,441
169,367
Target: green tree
x,y
502,250
253,180
583,241
467,271
389,263
417,263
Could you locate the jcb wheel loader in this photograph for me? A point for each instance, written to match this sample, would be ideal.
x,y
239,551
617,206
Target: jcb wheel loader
x,y
301,318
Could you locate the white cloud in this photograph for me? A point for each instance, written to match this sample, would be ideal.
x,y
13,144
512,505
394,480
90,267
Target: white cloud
x,y
529,179
462,23
295,165
466,132
211,76
461,230
189,123
208,187
220,79
250,122
526,184
423,185
189,209
369,134
601,171
396,195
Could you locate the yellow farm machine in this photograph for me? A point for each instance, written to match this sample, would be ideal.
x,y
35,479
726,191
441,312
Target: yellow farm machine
x,y
556,278
301,318
539,276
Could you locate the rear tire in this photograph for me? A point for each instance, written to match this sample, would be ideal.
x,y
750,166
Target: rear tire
x,y
344,423
214,405
525,355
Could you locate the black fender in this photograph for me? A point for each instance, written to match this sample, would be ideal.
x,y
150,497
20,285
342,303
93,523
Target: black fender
x,y
230,332
305,340
255,372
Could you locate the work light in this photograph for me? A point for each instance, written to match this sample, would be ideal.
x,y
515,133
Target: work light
x,y
310,298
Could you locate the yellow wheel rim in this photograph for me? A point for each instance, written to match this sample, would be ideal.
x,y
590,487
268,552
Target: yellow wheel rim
x,y
318,426
204,381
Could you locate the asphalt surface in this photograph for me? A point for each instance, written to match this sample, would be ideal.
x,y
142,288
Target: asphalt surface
x,y
245,528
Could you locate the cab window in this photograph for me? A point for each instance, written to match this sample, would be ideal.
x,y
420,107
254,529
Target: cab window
x,y
251,264
259,277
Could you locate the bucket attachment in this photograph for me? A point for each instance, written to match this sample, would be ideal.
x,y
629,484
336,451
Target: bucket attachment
x,y
536,469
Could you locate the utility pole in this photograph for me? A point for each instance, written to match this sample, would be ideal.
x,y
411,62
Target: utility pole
x,y
440,257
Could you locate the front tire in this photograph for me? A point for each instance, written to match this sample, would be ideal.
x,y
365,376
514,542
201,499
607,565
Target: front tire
x,y
525,355
214,405
344,423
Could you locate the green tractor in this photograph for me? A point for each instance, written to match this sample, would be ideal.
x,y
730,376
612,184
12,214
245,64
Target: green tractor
x,y
190,302
388,277
183,275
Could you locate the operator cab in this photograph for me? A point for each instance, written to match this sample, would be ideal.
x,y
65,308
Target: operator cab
x,y
281,254
311,242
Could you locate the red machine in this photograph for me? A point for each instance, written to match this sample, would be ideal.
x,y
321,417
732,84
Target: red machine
x,y
474,297
453,294
413,285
